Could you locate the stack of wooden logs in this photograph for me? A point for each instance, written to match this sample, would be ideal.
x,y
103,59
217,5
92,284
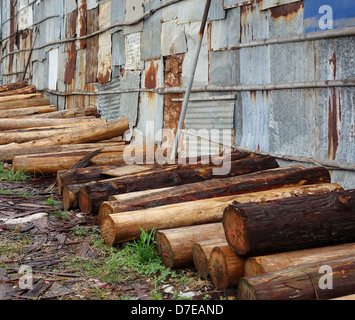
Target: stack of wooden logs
x,y
266,231
37,139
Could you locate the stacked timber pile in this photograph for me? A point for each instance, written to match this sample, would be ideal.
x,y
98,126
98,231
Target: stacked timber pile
x,y
36,138
256,224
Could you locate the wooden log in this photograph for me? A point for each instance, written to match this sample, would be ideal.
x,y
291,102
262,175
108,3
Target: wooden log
x,y
29,123
51,163
283,260
175,245
13,86
18,97
349,297
125,226
91,196
23,90
304,282
12,113
65,114
69,196
34,102
306,221
275,179
201,252
225,267
79,135
9,155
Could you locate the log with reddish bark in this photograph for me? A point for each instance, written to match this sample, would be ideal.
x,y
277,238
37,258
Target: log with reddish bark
x,y
125,226
92,195
283,260
24,89
13,86
201,252
34,102
175,245
225,267
305,282
136,201
14,113
291,224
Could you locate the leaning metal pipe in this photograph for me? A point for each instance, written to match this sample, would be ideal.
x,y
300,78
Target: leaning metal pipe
x,y
191,79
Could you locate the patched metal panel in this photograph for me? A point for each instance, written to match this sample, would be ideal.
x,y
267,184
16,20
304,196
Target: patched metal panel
x,y
118,53
133,51
190,11
151,37
265,4
134,10
216,10
109,104
227,4
223,67
173,39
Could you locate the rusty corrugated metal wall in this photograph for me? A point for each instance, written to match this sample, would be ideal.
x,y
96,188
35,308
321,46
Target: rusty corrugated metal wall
x,y
133,58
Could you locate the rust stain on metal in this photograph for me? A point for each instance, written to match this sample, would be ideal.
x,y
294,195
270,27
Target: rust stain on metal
x,y
352,132
70,48
92,46
82,23
12,38
151,76
286,10
253,95
104,75
333,138
333,61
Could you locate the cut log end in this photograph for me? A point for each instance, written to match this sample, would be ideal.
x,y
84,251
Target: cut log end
x,y
68,199
246,291
84,201
218,269
107,229
200,260
105,210
235,231
253,267
164,249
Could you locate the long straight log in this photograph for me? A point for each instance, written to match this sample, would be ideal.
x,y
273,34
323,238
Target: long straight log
x,y
13,86
22,90
306,282
70,113
35,102
79,135
175,245
13,113
225,267
31,134
18,97
28,123
201,252
124,226
92,195
349,297
283,260
270,180
303,222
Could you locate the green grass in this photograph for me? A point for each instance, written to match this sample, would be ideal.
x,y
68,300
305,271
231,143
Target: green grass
x,y
9,175
21,194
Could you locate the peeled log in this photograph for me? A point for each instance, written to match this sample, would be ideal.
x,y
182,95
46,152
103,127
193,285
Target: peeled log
x,y
225,267
279,261
13,86
70,113
303,222
27,123
13,113
92,195
125,226
25,103
78,135
18,97
201,252
175,245
301,283
20,90
202,207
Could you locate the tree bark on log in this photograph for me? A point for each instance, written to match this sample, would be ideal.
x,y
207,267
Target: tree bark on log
x,y
92,195
136,201
175,245
291,224
13,86
79,135
13,113
126,225
306,282
283,260
225,267
201,252
70,113
35,102
21,90
18,97
29,123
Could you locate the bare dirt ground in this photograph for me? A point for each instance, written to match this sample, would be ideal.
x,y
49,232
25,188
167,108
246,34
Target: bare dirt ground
x,y
57,255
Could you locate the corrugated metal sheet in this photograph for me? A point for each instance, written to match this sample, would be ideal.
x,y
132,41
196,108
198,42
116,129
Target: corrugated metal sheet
x,y
109,105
